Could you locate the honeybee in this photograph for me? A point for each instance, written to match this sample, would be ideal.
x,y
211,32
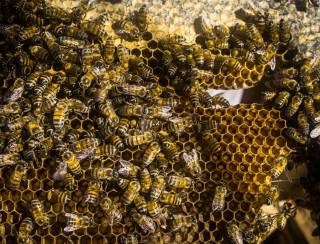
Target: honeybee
x,y
109,50
9,159
110,209
127,30
95,28
271,195
265,56
69,30
141,204
93,191
169,198
170,149
303,123
161,112
179,182
145,180
122,182
25,229
55,196
282,99
18,123
40,53
315,132
287,210
39,216
129,239
123,56
206,29
91,55
176,39
192,163
218,201
167,57
15,91
102,173
72,162
93,73
286,83
154,209
122,126
75,222
131,192
146,223
179,54
294,105
140,139
234,233
151,152
117,141
179,124
60,114
35,130
18,174
85,147
284,31
183,221
172,69
69,182
157,186
127,169
295,135
268,95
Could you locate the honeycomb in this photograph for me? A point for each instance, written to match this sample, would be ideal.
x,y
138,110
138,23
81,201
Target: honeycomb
x,y
250,138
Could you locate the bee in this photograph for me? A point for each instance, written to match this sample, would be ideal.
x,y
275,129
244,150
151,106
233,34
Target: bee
x,y
295,135
141,18
206,29
92,74
55,13
157,186
271,195
93,191
268,95
141,204
72,162
106,150
39,216
71,31
282,99
94,28
179,182
35,130
255,36
180,221
122,182
128,169
234,233
171,102
60,114
161,112
287,210
122,126
123,56
146,223
40,53
85,147
176,39
55,196
116,141
265,56
167,57
151,152
18,123
179,124
284,31
9,159
75,222
15,91
192,163
286,83
49,96
18,174
294,105
172,69
145,180
110,209
131,192
140,139
198,55
315,132
91,55
109,51
128,30
303,123
154,209
234,64
102,173
179,54
168,146
219,198
129,239
69,182
25,229
169,198
33,19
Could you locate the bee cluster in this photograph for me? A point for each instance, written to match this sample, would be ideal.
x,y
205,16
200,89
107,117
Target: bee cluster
x,y
101,143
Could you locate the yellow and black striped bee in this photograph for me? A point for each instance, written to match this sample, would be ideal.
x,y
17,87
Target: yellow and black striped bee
x,y
179,182
108,52
157,186
153,208
176,39
95,28
75,222
160,112
294,105
72,162
141,204
282,99
265,56
179,124
131,192
271,195
15,91
9,159
105,150
127,30
287,210
91,56
169,147
56,196
18,174
40,53
182,221
93,73
286,83
93,191
140,139
102,173
279,166
146,224
129,239
284,31
60,114
179,54
128,169
108,112
315,132
268,95
295,135
151,152
218,202
117,141
198,55
39,216
35,130
205,28
172,69
28,33
255,36
141,18
71,31
25,229
49,97
234,233
122,126
145,180
303,123
167,57
10,108
123,56
69,182
111,210
55,13
233,64
169,198
70,42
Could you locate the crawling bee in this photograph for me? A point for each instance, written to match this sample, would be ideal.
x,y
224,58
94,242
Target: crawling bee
x,y
129,239
40,53
284,31
15,91
60,114
85,147
18,174
151,152
183,221
141,204
140,139
179,182
10,108
168,102
282,99
116,141
271,195
102,173
25,229
71,31
75,222
169,198
93,191
218,201
315,132
172,69
69,182
128,169
109,51
131,192
72,162
154,209
55,196
110,209
295,135
146,223
37,210
122,126
94,73
287,210
234,233
265,56
268,95
167,58
303,123
169,147
95,29
141,18
127,30
176,39
206,29
294,105
123,56
192,163
157,186
286,83
179,124
91,55
35,130
9,159
145,180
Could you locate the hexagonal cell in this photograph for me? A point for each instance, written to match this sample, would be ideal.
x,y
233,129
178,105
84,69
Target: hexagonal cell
x,y
233,206
233,148
227,138
244,129
27,196
147,36
193,196
136,52
199,186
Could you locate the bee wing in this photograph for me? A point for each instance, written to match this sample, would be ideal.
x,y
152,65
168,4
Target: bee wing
x,y
273,63
165,111
187,158
71,215
195,155
174,119
69,229
315,132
